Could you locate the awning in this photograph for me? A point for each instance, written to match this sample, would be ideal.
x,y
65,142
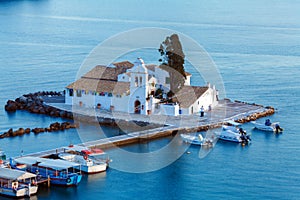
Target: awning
x,y
13,174
55,164
28,160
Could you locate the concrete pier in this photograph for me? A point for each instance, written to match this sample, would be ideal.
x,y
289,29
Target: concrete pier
x,y
166,125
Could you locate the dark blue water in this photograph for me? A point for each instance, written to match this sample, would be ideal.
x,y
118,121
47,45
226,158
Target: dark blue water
x,y
256,46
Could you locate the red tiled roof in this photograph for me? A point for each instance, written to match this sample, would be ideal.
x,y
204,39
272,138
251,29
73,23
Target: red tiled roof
x,y
188,95
95,85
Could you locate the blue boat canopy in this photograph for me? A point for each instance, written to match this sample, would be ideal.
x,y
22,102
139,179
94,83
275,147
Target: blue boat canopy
x,y
55,164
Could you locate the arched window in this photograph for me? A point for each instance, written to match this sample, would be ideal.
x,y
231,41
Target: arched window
x,y
136,81
141,81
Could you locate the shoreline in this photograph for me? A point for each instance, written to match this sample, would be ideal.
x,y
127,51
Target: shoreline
x,y
144,127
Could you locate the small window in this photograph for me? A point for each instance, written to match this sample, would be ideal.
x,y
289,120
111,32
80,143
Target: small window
x,y
141,81
167,80
71,92
78,93
136,81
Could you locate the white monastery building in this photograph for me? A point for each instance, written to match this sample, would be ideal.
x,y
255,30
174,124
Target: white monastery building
x,y
133,88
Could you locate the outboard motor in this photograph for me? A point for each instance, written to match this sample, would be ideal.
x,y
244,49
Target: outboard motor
x,y
277,128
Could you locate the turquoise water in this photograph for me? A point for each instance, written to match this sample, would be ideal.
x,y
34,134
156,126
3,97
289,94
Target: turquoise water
x,y
256,46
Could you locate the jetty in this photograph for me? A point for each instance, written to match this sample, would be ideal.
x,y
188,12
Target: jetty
x,y
165,125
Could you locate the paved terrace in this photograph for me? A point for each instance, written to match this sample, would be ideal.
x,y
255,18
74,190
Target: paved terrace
x,y
224,111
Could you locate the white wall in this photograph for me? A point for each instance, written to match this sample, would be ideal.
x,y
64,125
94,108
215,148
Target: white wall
x,y
187,80
170,109
205,100
123,78
68,99
139,94
161,75
121,104
105,101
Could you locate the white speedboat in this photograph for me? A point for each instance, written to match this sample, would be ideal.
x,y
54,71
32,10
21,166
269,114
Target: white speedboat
x,y
273,127
92,160
16,183
197,140
87,164
233,133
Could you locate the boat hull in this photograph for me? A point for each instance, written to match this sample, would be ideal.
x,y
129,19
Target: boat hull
x,y
67,181
231,136
191,139
22,192
60,178
263,127
93,169
196,140
87,165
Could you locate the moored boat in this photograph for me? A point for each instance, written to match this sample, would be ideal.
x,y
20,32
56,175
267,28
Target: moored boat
x,y
233,133
16,183
87,163
92,160
197,140
271,127
60,172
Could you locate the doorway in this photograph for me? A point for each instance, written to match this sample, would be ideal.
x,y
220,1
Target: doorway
x,y
137,107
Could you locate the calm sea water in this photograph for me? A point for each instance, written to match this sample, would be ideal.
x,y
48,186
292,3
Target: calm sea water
x,y
256,46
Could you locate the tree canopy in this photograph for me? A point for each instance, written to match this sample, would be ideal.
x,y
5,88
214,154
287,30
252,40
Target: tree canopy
x,y
172,60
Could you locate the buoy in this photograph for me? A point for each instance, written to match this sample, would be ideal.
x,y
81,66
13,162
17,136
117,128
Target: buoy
x,y
85,157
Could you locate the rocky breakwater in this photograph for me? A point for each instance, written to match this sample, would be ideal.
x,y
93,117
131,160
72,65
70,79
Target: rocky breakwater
x,y
53,127
34,103
268,111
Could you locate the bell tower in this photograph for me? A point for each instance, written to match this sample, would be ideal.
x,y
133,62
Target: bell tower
x,y
139,88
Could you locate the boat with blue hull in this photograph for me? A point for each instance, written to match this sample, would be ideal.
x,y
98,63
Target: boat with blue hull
x,y
60,172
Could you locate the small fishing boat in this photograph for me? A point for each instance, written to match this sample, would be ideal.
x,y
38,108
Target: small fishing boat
x,y
88,164
92,160
196,140
60,172
272,127
16,183
233,133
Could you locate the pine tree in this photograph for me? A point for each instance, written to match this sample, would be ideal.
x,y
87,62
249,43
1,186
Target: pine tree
x,y
172,60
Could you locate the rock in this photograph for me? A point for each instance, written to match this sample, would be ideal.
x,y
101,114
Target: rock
x,y
10,132
23,99
11,106
21,131
27,130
